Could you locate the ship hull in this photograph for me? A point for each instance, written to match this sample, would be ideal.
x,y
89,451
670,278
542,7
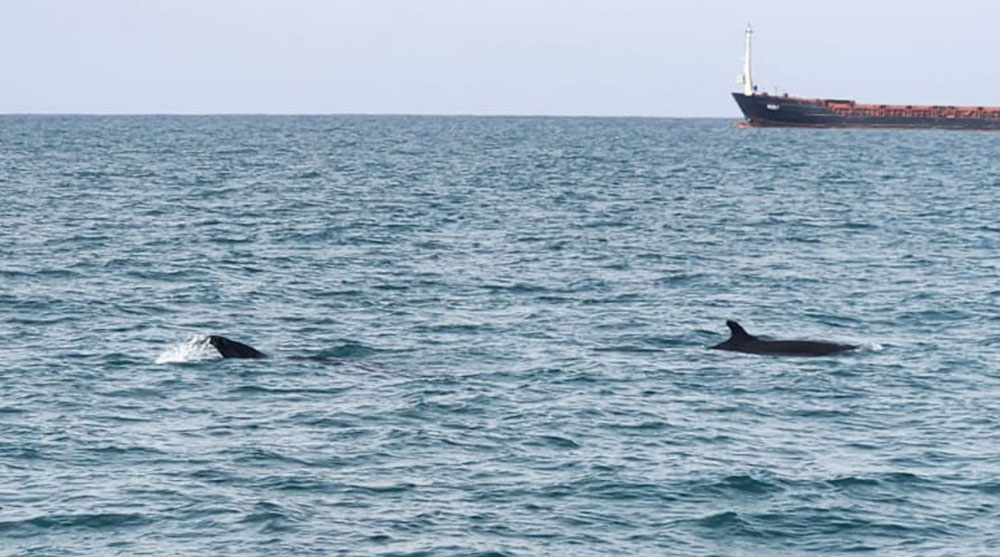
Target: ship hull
x,y
764,111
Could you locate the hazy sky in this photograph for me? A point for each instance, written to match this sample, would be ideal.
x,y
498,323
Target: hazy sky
x,y
559,57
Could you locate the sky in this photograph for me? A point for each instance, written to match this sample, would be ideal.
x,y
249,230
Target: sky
x,y
661,58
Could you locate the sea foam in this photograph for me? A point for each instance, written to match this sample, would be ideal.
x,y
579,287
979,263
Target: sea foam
x,y
195,348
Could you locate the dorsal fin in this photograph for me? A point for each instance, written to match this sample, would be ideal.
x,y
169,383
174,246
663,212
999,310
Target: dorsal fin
x,y
739,333
229,348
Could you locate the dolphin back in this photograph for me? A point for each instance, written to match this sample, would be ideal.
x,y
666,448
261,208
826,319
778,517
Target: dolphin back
x,y
800,347
741,341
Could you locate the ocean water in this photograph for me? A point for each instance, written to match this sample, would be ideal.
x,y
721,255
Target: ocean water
x,y
488,337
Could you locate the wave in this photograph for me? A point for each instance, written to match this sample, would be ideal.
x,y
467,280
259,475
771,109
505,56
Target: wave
x,y
348,349
83,520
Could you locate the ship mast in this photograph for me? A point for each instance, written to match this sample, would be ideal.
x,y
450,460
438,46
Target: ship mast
x,y
747,79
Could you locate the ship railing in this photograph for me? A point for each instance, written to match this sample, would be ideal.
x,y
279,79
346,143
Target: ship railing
x,y
912,111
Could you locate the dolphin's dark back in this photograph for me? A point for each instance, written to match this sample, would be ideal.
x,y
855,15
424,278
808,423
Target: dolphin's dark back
x,y
232,349
741,341
798,348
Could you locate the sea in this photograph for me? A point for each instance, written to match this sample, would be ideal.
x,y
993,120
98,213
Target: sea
x,y
489,336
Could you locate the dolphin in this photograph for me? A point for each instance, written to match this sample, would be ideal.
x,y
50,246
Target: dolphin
x,y
741,341
231,349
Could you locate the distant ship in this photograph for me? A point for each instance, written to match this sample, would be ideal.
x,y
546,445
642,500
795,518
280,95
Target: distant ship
x,y
761,109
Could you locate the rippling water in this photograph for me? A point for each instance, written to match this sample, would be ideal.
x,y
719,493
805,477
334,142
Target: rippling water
x,y
504,322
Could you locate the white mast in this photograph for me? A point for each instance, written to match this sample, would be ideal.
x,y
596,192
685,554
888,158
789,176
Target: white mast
x,y
747,79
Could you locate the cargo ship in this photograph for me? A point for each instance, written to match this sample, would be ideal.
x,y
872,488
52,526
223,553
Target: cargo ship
x,y
761,110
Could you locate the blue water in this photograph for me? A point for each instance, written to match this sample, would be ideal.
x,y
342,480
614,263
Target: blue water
x,y
504,323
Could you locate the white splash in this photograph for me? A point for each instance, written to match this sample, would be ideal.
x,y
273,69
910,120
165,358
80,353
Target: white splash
x,y
873,347
194,349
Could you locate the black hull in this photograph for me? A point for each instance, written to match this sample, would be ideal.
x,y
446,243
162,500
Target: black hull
x,y
764,110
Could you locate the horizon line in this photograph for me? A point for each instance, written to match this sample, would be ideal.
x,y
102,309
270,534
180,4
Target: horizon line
x,y
408,114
